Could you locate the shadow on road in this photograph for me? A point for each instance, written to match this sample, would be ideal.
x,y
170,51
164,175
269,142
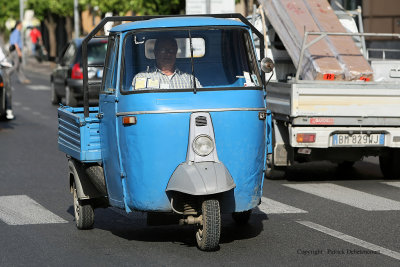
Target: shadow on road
x,y
134,226
325,171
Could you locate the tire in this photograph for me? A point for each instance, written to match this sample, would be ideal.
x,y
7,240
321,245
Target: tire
x,y
241,218
389,164
3,105
70,99
208,235
346,165
55,99
84,213
277,173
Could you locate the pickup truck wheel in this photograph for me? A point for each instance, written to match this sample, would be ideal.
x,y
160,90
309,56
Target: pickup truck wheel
x,y
208,234
241,218
389,164
70,99
84,213
3,105
55,99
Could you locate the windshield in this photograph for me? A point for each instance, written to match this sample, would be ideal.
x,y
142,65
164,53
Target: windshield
x,y
189,59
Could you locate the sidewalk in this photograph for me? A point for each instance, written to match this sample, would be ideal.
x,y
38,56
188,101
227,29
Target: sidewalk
x,y
43,68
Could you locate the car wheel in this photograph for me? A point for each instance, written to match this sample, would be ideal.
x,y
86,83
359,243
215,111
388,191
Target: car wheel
x,y
208,234
70,99
84,213
389,164
55,99
3,105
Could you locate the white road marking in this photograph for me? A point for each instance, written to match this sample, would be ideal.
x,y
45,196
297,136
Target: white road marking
x,y
270,206
21,210
348,196
38,87
26,108
352,240
17,104
396,184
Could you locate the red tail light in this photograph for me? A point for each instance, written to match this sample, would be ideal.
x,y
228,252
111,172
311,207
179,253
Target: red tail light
x,y
77,72
305,138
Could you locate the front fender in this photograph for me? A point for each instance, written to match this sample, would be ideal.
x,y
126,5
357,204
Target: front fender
x,y
201,178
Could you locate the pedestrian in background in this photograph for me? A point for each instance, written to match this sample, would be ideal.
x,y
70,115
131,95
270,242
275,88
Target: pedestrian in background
x,y
36,39
16,54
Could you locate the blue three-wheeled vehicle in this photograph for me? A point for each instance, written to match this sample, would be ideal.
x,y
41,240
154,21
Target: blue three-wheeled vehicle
x,y
180,127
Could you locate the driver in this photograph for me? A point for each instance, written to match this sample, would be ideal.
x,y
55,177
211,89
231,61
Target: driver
x,y
164,75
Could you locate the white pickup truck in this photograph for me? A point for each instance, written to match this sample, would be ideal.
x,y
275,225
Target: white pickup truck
x,y
330,120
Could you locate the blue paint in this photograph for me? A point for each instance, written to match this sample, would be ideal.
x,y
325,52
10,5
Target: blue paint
x,y
175,22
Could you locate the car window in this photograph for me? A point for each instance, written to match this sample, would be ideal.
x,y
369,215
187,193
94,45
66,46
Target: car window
x,y
222,58
110,67
69,54
97,52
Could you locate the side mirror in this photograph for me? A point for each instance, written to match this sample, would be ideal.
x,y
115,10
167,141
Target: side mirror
x,y
267,65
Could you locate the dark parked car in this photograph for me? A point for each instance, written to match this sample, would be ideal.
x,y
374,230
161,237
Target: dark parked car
x,y
67,78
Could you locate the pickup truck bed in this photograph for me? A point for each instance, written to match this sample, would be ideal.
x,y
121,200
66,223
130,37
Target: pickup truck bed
x,y
346,101
79,137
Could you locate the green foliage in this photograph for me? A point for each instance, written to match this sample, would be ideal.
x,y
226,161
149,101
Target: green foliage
x,y
139,7
8,9
42,8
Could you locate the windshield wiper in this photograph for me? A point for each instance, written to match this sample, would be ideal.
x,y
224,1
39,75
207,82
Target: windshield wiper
x,y
191,60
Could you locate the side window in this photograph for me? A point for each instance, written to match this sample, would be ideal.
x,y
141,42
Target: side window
x,y
111,66
69,54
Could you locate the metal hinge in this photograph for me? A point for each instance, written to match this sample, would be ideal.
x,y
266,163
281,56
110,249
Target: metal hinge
x,y
100,115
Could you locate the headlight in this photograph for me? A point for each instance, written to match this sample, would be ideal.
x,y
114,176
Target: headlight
x,y
203,145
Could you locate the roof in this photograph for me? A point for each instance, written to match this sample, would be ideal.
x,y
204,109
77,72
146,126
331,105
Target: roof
x,y
170,22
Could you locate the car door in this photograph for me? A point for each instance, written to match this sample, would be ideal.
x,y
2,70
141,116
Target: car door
x,y
62,69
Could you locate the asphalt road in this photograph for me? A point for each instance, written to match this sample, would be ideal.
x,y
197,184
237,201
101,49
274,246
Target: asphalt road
x,y
319,216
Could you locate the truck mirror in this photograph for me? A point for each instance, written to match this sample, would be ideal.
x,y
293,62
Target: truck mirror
x,y
267,65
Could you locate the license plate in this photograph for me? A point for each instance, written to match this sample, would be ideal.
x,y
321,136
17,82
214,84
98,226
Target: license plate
x,y
358,140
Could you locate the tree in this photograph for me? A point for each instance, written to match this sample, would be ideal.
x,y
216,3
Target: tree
x,y
8,9
46,10
139,7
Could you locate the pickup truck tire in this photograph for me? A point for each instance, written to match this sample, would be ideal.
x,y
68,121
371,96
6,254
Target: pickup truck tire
x,y
241,218
70,99
390,164
55,99
84,213
276,173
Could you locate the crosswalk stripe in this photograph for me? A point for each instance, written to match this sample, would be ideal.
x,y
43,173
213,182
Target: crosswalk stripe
x,y
38,87
353,240
22,210
396,184
270,206
348,196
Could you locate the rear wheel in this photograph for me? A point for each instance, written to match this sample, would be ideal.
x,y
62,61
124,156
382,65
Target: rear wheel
x,y
70,99
55,99
208,234
241,218
84,213
389,164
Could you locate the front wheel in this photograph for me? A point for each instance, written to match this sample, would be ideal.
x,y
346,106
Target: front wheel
x,y
208,234
70,99
55,99
84,213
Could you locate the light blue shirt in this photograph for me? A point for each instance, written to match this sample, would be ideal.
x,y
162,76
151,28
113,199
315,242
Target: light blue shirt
x,y
15,38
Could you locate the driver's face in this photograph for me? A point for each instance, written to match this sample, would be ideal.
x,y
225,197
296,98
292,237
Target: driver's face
x,y
166,53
